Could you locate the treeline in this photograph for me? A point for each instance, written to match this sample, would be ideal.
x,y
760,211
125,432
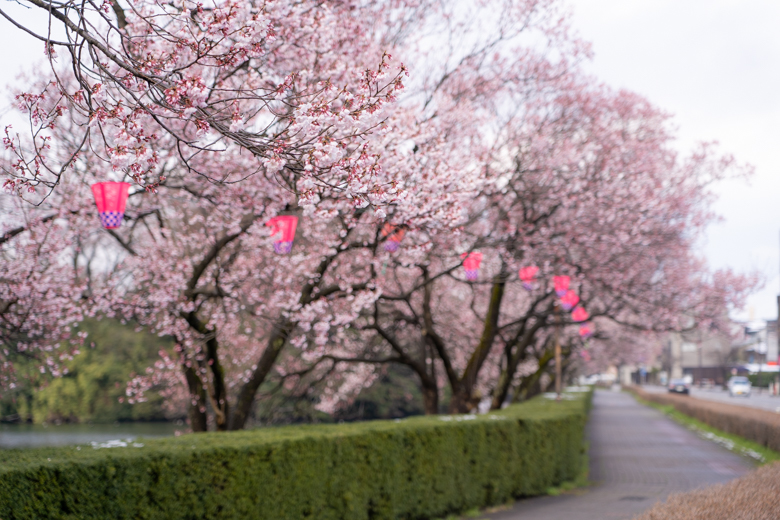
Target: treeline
x,y
94,387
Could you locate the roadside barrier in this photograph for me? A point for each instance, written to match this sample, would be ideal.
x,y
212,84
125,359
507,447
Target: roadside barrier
x,y
421,467
759,426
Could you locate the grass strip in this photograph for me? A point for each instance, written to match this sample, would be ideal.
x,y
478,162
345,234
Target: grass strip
x,y
732,442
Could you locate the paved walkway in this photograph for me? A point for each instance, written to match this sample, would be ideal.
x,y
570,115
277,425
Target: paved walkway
x,y
637,458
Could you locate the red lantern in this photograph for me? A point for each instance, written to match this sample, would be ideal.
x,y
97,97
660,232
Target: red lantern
x,y
471,263
286,225
579,314
561,284
111,198
569,300
527,276
395,236
586,330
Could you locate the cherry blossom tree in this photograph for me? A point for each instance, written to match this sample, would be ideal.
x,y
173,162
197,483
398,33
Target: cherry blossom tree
x,y
586,186
230,115
40,293
195,261
151,81
323,309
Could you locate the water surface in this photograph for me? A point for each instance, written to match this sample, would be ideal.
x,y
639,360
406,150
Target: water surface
x,y
38,435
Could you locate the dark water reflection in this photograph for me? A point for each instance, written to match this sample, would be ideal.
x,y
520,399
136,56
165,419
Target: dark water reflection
x,y
37,435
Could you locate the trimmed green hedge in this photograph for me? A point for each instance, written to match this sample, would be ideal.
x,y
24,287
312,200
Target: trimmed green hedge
x,y
421,467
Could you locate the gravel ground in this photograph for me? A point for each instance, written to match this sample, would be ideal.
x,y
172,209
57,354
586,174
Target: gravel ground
x,y
755,496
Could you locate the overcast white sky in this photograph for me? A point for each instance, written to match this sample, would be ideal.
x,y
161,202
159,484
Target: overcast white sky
x,y
714,64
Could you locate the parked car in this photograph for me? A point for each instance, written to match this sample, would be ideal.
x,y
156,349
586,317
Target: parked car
x,y
739,385
679,386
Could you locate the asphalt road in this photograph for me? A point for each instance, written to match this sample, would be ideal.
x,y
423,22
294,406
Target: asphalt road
x,y
637,457
756,400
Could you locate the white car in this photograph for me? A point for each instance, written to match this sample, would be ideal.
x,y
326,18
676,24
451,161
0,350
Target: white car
x,y
739,385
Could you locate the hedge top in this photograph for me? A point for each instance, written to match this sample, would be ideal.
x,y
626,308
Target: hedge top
x,y
538,409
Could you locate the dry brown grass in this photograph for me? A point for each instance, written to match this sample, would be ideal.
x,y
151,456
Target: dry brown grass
x,y
755,496
759,426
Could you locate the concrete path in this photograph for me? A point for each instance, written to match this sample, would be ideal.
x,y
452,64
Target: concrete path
x,y
756,400
637,458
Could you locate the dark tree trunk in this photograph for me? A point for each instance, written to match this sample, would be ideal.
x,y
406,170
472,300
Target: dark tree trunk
x,y
430,399
196,410
246,396
463,400
531,385
515,356
218,388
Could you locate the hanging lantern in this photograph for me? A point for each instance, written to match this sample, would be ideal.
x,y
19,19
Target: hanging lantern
x,y
286,225
586,330
561,284
394,236
471,263
580,314
527,276
111,198
569,300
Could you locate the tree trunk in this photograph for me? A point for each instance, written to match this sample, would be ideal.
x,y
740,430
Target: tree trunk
x,y
217,386
462,394
219,398
505,378
530,386
430,399
246,396
515,357
462,401
196,410
430,389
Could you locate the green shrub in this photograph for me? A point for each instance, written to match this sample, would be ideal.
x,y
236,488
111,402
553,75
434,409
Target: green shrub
x,y
762,379
421,467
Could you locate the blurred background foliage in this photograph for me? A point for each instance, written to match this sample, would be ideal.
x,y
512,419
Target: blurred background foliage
x,y
94,386
393,395
93,389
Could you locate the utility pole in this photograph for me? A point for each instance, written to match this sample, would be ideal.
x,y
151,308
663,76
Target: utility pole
x,y
556,334
777,333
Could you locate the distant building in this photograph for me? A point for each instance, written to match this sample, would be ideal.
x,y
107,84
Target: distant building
x,y
713,356
757,344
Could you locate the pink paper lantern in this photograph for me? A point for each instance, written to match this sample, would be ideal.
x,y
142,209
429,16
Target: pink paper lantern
x,y
569,300
111,199
586,330
579,314
561,284
471,263
284,225
527,276
394,237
